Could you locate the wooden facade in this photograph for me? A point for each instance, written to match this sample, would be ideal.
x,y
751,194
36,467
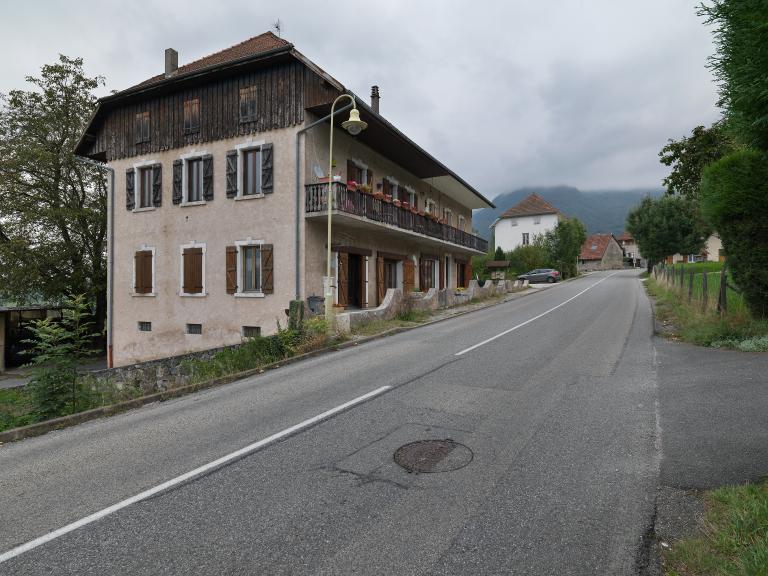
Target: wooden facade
x,y
284,90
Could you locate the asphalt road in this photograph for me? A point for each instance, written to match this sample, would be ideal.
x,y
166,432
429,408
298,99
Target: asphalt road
x,y
560,413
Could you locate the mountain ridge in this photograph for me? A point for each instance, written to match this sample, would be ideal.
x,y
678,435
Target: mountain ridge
x,y
599,210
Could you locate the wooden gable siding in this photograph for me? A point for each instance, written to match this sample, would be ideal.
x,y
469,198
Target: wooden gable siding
x,y
282,92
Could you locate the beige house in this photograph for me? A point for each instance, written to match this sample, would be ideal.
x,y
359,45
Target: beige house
x,y
219,205
600,252
711,252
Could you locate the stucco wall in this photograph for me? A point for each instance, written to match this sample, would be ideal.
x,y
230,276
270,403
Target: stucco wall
x,y
218,224
509,236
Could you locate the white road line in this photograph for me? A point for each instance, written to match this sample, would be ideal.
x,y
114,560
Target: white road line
x,y
492,338
188,476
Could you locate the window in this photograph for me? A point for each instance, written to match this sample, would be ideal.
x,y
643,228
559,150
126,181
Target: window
x,y
192,270
390,187
513,222
359,173
192,116
248,104
537,219
194,191
390,273
462,223
426,274
194,328
145,186
251,331
430,207
142,127
143,272
413,200
251,267
526,239
448,216
252,172
145,326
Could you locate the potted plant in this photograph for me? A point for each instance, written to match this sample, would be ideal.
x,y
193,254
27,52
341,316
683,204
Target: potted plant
x,y
388,198
351,185
366,189
378,195
396,202
406,205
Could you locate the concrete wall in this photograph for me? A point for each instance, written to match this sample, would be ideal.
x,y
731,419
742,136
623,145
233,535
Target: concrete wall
x,y
216,224
509,231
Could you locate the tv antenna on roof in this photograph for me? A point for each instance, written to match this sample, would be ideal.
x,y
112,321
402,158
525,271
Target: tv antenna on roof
x,y
278,27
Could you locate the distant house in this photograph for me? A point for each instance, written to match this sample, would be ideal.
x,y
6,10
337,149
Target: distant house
x,y
520,224
630,247
711,252
600,252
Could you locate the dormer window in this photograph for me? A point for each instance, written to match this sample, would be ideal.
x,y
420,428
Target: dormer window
x,y
142,127
248,104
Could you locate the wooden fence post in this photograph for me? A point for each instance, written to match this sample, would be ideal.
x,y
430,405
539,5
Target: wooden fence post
x,y
690,286
722,297
705,292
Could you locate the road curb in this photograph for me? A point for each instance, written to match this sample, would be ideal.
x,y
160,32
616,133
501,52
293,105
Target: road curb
x,y
40,428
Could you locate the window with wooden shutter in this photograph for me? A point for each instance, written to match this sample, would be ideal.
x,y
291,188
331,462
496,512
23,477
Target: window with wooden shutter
x,y
252,184
194,180
145,187
130,189
143,272
251,268
231,265
192,270
208,177
267,269
267,169
231,173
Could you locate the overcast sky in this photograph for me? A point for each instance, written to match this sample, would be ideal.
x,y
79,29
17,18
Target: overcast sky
x,y
506,93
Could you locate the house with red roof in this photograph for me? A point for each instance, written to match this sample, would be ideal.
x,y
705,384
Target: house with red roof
x,y
631,249
219,207
527,219
600,252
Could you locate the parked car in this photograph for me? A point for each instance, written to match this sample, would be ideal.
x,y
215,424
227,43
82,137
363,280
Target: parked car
x,y
541,275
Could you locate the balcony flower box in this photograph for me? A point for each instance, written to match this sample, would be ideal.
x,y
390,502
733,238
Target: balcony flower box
x,y
396,203
387,197
352,185
378,195
406,205
414,210
366,189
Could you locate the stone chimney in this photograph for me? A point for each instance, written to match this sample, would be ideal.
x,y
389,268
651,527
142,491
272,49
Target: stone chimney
x,y
375,98
171,62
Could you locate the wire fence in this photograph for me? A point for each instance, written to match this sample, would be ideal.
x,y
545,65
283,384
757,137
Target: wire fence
x,y
707,286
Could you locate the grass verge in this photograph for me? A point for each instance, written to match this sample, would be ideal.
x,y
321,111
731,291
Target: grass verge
x,y
687,322
734,539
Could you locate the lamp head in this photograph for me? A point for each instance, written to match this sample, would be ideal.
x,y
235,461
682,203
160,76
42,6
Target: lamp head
x,y
354,125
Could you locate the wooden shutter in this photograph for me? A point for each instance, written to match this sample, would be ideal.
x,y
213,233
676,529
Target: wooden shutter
x,y
267,165
208,177
130,189
231,173
231,269
467,273
178,166
157,185
408,276
342,282
267,269
381,289
193,271
441,263
143,272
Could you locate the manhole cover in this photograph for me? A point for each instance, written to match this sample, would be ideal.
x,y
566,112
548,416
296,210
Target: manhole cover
x,y
433,456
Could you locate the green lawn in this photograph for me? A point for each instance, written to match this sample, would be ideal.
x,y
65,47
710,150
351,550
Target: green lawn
x,y
734,541
16,408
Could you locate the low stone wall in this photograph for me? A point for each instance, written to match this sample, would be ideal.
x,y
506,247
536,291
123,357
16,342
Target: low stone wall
x,y
388,309
424,301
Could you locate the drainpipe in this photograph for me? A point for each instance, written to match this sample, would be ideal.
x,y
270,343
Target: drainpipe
x,y
298,192
110,247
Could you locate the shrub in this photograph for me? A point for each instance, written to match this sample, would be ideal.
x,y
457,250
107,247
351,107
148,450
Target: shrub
x,y
733,200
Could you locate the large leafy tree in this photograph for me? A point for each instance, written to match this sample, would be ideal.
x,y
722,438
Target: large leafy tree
x,y
563,245
690,155
664,226
52,208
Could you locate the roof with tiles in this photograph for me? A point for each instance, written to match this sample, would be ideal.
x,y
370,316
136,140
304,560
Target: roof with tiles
x,y
625,237
532,205
253,46
595,246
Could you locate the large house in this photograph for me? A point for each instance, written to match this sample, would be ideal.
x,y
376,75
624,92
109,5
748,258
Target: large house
x,y
711,252
220,201
527,219
600,252
631,248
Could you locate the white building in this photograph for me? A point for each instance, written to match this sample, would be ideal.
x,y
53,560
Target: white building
x,y
519,225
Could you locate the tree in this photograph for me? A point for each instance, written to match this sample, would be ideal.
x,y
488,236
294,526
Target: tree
x,y
740,64
499,254
665,226
52,208
525,258
563,245
733,199
690,155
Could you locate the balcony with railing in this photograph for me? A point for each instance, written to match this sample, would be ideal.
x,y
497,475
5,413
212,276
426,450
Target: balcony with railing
x,y
377,210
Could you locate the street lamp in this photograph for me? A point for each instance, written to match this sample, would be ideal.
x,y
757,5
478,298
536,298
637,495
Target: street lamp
x,y
354,126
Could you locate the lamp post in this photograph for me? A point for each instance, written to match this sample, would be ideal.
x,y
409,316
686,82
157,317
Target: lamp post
x,y
354,126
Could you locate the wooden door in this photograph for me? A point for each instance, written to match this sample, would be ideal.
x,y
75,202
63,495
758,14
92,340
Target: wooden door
x,y
342,281
409,281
